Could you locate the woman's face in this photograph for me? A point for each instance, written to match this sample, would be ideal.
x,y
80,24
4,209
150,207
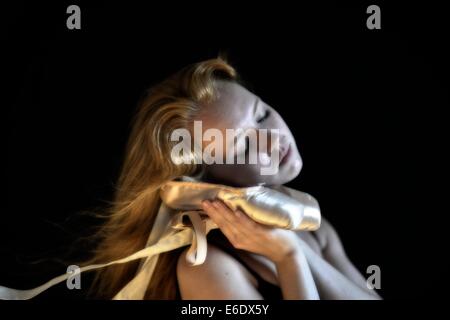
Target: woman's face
x,y
238,108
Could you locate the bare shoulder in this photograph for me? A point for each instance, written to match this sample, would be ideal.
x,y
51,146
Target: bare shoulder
x,y
220,277
330,241
326,234
325,227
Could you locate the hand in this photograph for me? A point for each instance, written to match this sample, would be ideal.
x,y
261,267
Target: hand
x,y
244,233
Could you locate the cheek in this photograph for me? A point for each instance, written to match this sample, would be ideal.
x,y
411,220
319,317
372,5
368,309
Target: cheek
x,y
277,122
281,124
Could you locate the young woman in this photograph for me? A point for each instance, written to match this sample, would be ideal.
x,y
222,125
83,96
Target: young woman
x,y
245,260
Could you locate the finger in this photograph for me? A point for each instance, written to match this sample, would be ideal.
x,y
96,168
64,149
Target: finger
x,y
246,221
236,217
217,215
230,232
212,212
226,212
248,226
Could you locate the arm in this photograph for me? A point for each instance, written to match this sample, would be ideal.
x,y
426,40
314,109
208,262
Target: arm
x,y
278,245
334,274
295,278
220,277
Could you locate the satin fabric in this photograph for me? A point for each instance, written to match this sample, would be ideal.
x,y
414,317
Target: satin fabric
x,y
181,222
264,205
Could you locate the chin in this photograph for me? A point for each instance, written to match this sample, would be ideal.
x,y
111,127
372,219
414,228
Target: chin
x,y
292,171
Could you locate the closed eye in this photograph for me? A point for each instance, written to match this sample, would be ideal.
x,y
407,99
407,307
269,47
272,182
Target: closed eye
x,y
264,117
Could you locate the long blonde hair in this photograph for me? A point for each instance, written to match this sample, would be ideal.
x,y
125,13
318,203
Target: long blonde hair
x,y
169,105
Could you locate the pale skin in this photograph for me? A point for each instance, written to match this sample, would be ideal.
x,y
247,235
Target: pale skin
x,y
302,266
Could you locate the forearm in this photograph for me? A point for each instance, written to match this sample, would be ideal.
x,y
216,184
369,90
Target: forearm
x,y
295,278
331,283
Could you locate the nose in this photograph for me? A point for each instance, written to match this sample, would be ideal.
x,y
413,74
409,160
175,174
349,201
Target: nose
x,y
274,142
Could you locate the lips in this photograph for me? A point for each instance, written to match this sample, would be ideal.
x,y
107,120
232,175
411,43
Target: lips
x,y
285,154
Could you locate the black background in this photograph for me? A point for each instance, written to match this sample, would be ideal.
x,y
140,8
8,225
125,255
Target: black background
x,y
357,100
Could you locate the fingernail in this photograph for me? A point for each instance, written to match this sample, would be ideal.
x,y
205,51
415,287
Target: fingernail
x,y
206,203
